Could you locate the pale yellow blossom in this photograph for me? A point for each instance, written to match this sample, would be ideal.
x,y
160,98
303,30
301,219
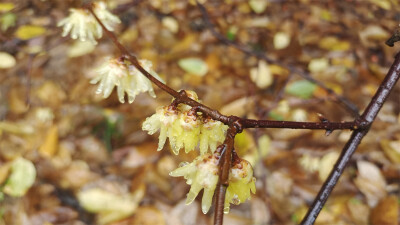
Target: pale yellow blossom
x,y
81,23
241,183
202,173
128,79
185,128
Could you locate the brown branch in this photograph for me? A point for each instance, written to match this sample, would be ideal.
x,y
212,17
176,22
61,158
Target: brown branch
x,y
224,167
367,118
181,97
344,102
236,125
394,38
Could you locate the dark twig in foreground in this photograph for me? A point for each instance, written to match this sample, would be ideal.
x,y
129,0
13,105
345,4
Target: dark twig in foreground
x,y
366,119
338,98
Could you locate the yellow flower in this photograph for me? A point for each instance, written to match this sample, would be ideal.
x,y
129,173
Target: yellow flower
x,y
212,133
163,120
81,23
185,129
201,173
129,80
241,182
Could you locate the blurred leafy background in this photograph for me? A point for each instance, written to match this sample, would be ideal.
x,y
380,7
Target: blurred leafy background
x,y
69,157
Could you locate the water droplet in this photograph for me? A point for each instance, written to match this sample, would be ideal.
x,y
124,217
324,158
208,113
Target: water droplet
x,y
328,132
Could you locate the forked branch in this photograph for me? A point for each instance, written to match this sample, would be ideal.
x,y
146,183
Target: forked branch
x,y
236,124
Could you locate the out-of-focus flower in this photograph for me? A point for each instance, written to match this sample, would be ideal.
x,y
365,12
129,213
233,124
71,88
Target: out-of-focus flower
x,y
128,79
81,23
241,182
185,128
201,173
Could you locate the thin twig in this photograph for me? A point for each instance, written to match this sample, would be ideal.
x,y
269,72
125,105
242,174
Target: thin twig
x,y
366,119
224,167
236,125
214,114
338,98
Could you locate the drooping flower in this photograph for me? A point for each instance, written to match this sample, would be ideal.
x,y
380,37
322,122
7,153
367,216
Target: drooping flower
x,y
241,183
163,120
187,130
212,133
81,23
201,173
129,80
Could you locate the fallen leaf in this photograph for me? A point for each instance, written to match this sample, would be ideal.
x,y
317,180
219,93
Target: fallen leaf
x,y
171,24
334,44
29,31
318,65
373,33
193,66
50,144
326,164
281,40
6,6
261,75
309,163
303,89
237,107
391,150
7,20
80,48
22,177
357,208
148,215
258,6
386,212
6,60
371,182
384,4
110,206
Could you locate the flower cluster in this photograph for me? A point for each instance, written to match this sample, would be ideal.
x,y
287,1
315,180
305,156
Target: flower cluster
x,y
203,173
81,24
128,79
185,128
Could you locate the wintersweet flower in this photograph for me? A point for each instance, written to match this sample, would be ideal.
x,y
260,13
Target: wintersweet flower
x,y
129,80
81,23
202,173
188,128
163,120
212,133
241,182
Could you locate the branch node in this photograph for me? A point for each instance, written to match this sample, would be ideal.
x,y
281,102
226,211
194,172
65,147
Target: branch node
x,y
322,118
236,122
394,38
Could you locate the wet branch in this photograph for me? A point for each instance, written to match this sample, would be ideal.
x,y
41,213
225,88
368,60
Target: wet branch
x,y
236,125
180,97
224,167
367,118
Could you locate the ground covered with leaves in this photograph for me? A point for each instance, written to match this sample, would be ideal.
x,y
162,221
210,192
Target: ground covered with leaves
x,y
68,156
